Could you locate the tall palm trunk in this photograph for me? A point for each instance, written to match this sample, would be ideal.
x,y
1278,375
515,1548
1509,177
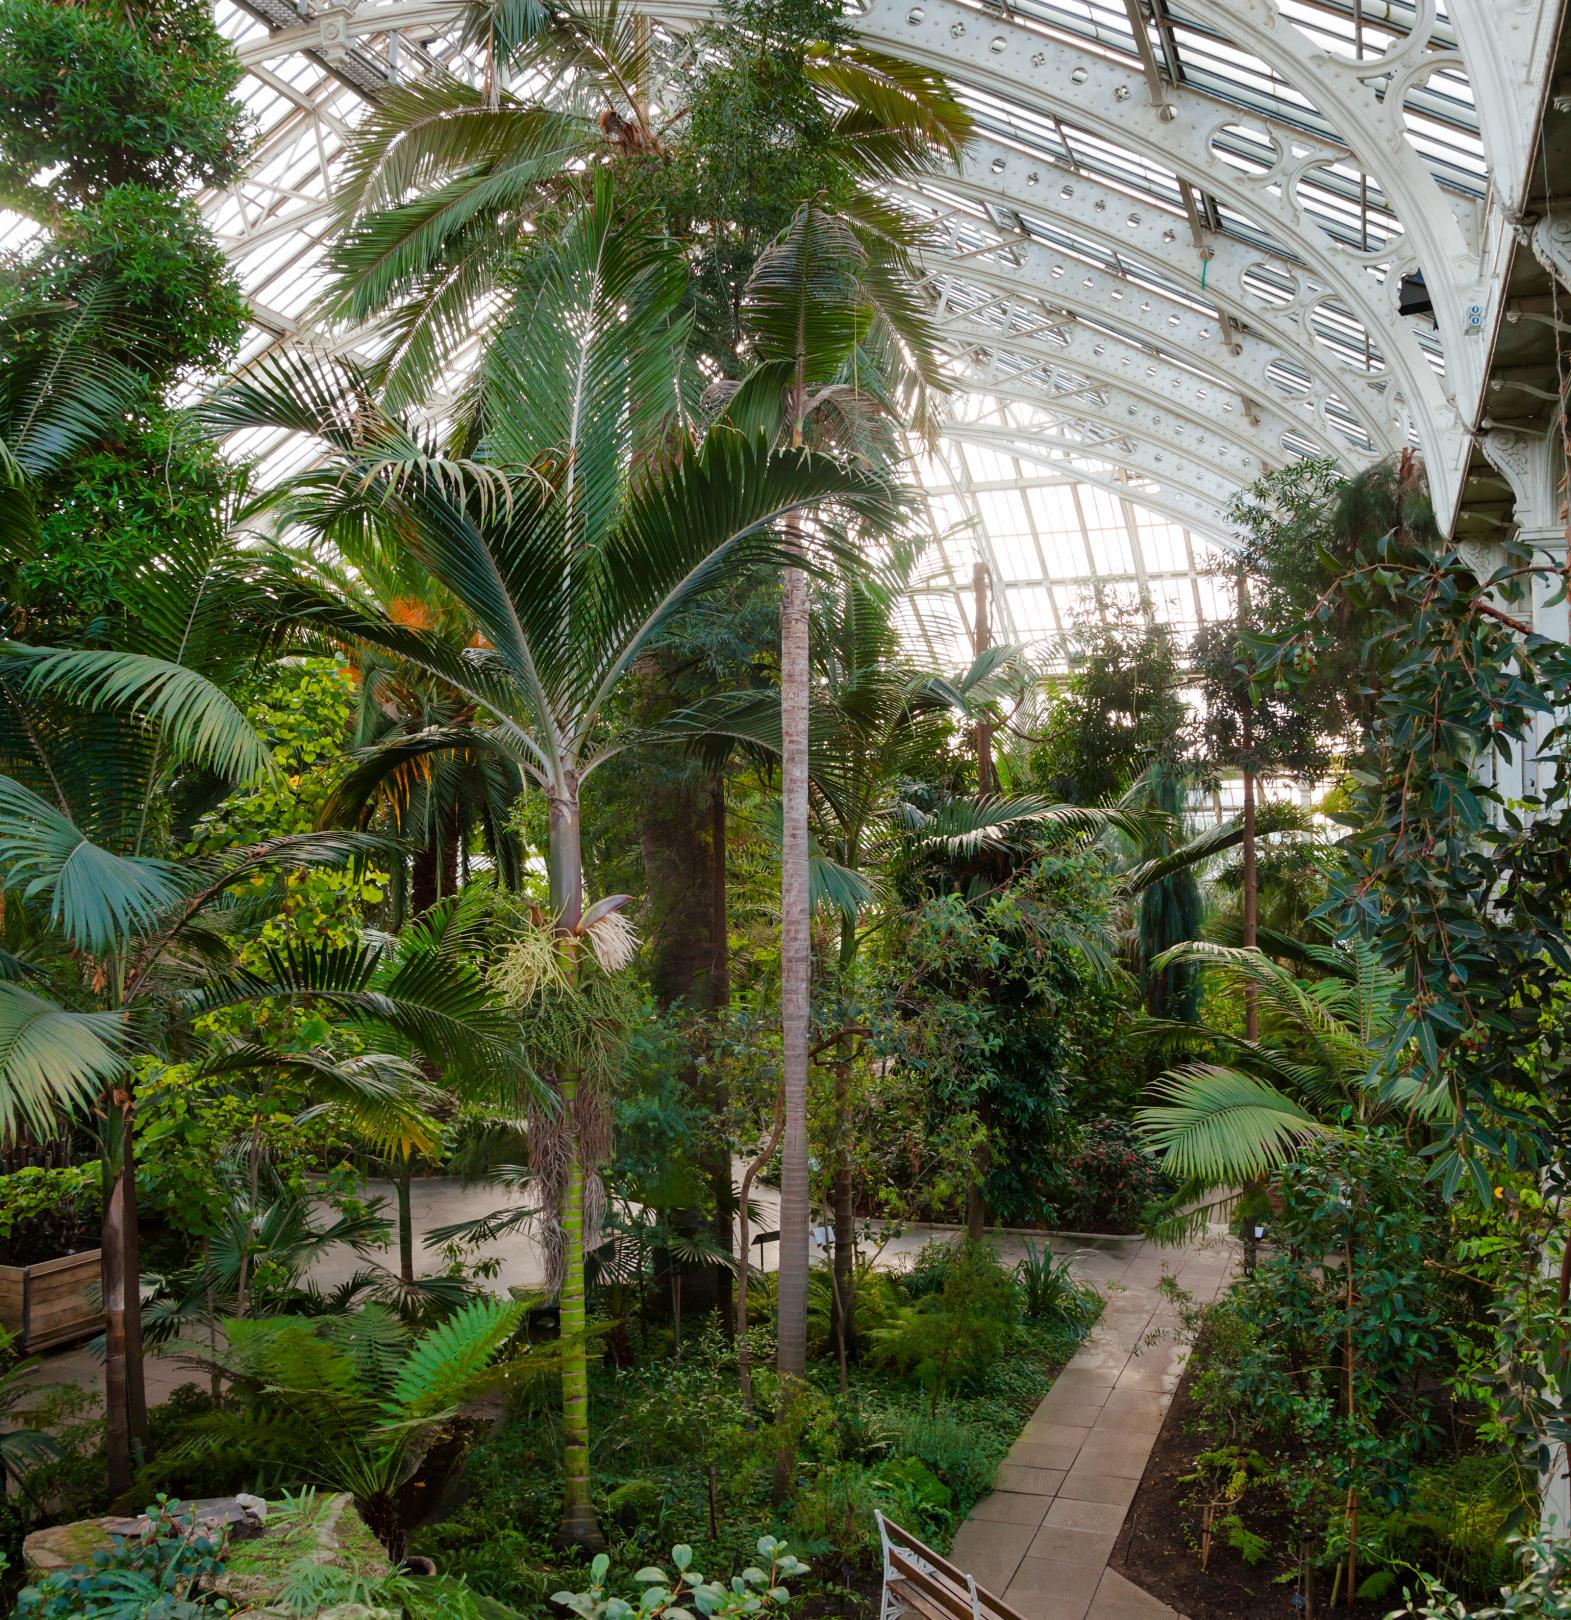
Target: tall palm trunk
x,y
795,993
578,1526
796,964
976,1202
843,1211
403,1175
1251,872
844,1216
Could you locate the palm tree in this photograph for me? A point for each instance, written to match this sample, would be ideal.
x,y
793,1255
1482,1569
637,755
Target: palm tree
x,y
583,514
830,307
106,755
444,178
876,722
1242,1106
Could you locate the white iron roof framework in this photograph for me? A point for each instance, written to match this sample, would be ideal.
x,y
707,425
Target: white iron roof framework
x,y
1173,258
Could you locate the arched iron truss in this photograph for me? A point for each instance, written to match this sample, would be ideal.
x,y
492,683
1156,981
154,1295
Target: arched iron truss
x,y
1193,240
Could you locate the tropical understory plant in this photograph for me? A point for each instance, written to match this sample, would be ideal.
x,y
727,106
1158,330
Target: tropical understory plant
x,y
350,1401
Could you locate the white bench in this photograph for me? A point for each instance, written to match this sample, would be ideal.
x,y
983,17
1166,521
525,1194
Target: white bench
x,y
918,1581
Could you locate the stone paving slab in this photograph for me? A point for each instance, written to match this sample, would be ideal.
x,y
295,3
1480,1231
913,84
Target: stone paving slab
x,y
1043,1538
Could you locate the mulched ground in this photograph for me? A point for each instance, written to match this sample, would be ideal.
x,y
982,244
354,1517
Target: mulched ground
x,y
1157,1547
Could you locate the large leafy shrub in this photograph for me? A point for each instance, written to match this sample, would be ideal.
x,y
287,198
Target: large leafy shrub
x,y
1322,1376
100,94
951,1449
1107,1179
48,1212
1539,1590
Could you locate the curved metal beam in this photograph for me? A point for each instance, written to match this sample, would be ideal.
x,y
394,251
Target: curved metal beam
x,y
1005,56
1124,413
1369,117
1179,506
1157,464
1210,340
1079,352
330,33
1023,270
1508,46
999,175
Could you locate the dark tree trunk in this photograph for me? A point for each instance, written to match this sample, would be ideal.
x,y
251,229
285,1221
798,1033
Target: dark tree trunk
x,y
675,838
406,1225
125,1389
718,1158
719,922
844,1291
682,839
433,869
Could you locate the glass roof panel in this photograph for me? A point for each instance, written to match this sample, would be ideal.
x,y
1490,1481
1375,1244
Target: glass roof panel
x,y
1082,385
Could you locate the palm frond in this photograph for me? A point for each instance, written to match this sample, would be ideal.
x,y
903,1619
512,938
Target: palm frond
x,y
98,899
444,1365
896,119
196,720
1218,1126
961,826
584,370
53,1062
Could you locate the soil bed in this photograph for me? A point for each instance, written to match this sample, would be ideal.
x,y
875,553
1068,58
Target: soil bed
x,y
1158,1546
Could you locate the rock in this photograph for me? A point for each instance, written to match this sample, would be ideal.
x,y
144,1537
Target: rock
x,y
62,1546
319,1529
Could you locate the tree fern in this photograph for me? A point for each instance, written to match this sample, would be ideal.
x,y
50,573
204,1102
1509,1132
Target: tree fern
x,y
443,1365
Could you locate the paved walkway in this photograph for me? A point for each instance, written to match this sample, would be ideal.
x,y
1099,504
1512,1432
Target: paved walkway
x,y
1043,1538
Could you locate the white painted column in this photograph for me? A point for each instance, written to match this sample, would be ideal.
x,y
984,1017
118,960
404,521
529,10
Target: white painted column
x,y
1535,468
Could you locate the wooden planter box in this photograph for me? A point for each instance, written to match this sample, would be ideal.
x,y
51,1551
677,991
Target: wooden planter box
x,y
53,1301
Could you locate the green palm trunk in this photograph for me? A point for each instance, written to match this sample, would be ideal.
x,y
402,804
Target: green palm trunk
x,y
579,1526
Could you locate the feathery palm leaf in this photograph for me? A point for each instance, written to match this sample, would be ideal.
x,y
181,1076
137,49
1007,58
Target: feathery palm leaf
x,y
197,721
1222,1127
1221,1123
